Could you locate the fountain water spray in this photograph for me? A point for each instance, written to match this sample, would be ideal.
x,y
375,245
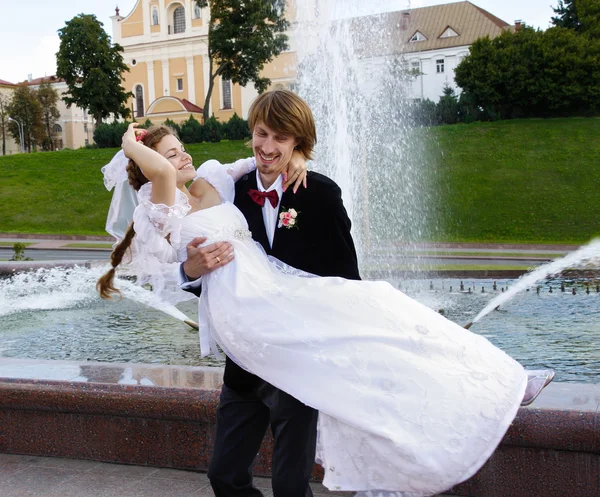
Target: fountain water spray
x,y
356,80
589,253
60,288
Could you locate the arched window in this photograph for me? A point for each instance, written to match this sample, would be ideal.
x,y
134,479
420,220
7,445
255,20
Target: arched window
x,y
179,20
139,101
57,129
154,16
197,11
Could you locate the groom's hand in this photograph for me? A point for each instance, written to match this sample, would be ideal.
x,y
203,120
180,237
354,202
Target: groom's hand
x,y
204,260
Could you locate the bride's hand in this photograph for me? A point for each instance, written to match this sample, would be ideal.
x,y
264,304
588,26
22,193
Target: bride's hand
x,y
296,172
131,136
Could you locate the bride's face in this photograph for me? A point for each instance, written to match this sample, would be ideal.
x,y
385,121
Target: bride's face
x,y
172,149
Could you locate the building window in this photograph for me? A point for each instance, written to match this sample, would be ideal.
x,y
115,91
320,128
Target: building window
x,y
139,101
226,91
179,20
154,16
197,11
439,66
449,33
85,128
415,67
87,142
418,36
57,129
179,84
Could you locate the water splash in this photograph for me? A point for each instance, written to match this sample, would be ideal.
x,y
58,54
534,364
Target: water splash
x,y
588,254
63,288
352,75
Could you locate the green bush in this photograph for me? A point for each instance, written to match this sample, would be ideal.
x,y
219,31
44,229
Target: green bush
x,y
110,135
146,124
191,131
213,130
236,128
173,125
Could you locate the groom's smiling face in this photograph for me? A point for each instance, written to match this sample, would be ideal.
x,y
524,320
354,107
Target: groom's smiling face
x,y
272,150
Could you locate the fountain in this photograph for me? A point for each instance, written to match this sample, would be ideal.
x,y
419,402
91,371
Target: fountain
x,y
588,254
357,92
164,415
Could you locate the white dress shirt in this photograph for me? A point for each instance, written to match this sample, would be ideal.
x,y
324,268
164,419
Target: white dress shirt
x,y
268,211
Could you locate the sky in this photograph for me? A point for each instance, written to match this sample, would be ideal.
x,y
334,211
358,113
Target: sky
x,y
29,39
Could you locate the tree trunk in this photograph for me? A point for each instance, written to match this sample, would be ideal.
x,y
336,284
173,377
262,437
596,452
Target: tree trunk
x,y
211,85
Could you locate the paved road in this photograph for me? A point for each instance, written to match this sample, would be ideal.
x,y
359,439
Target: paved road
x,y
58,254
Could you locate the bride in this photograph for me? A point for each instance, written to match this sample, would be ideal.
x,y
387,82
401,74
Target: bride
x,y
409,403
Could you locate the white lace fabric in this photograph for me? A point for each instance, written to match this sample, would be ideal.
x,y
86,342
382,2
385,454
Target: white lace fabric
x,y
410,403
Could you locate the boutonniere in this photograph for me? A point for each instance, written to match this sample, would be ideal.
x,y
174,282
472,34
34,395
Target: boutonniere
x,y
288,218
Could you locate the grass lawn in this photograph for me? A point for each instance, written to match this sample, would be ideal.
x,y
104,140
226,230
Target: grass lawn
x,y
11,244
62,192
530,180
523,181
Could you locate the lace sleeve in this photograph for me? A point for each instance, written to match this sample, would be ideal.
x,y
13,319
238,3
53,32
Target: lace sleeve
x,y
240,167
154,222
222,176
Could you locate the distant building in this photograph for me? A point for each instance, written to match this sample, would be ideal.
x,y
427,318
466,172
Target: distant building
x,y
75,127
436,39
12,147
165,47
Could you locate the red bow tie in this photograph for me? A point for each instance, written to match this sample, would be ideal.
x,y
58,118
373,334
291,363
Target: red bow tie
x,y
259,197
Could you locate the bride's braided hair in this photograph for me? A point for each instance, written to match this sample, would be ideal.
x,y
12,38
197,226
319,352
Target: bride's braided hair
x,y
105,284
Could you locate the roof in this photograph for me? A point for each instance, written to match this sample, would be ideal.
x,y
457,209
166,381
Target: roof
x,y
466,19
190,106
6,83
39,81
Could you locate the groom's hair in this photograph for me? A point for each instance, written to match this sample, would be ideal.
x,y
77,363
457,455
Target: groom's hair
x,y
286,113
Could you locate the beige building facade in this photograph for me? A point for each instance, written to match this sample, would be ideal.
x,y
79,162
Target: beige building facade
x,y
75,127
12,147
165,48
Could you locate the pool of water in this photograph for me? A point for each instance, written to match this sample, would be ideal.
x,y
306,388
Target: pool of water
x,y
558,330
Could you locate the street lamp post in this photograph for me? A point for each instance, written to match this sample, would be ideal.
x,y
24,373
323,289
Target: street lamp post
x,y
21,133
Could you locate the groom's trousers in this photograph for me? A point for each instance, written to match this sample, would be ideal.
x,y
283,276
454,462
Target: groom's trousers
x,y
242,421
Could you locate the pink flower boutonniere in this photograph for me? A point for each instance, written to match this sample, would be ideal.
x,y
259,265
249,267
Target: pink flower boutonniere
x,y
288,218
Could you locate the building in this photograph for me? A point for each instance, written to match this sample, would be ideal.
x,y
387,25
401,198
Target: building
x,y
75,127
432,41
437,38
12,147
165,47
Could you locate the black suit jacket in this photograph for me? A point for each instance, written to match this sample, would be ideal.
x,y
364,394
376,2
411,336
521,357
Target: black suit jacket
x,y
320,244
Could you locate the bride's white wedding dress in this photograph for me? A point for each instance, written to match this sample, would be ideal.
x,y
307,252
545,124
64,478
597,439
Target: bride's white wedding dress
x,y
410,403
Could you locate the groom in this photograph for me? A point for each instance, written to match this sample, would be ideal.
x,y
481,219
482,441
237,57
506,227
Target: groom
x,y
318,241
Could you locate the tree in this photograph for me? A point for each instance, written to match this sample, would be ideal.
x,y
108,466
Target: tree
x,y
531,73
566,15
26,109
582,16
588,12
92,68
4,106
242,37
48,98
447,106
